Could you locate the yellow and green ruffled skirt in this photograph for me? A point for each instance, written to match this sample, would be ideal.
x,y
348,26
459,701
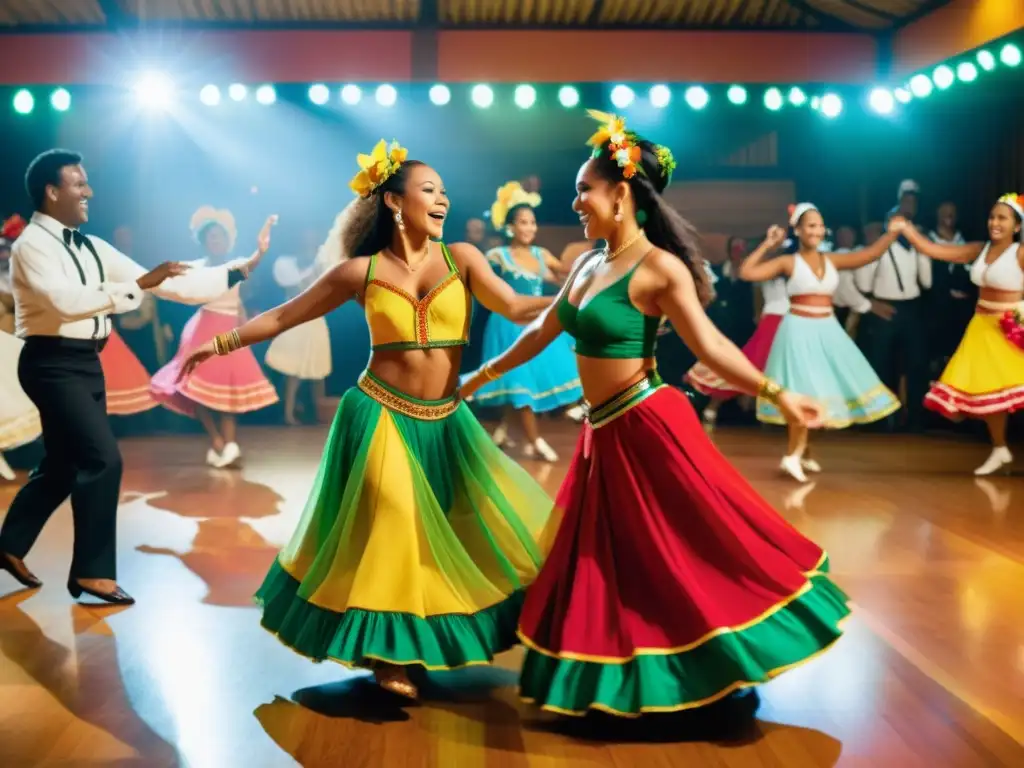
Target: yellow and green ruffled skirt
x,y
416,543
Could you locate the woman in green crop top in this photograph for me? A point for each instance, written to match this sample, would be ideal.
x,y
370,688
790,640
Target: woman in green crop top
x,y
669,583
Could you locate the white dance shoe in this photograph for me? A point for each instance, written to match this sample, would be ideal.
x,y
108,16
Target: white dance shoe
x,y
230,455
501,438
542,449
792,466
999,458
5,469
810,465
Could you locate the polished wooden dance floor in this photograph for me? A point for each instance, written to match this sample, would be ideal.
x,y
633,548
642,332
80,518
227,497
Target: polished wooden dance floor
x,y
930,673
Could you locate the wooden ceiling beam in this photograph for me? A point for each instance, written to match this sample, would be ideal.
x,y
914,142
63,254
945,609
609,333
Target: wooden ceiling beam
x,y
865,8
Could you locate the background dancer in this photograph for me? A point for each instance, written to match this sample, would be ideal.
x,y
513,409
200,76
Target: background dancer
x,y
703,379
550,381
302,353
66,286
670,583
419,534
985,377
225,387
19,419
127,380
812,352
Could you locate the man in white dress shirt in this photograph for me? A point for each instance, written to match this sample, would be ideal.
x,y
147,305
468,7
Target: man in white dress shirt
x,y
66,287
898,346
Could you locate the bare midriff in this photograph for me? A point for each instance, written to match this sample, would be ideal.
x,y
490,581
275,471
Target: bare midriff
x,y
425,374
603,378
811,305
992,301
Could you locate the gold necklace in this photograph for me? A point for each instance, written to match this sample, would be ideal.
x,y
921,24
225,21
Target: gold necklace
x,y
408,265
622,248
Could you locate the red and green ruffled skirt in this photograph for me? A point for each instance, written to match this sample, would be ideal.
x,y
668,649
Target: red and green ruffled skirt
x,y
670,583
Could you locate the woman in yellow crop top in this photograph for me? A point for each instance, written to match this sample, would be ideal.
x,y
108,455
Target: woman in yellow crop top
x,y
670,583
419,535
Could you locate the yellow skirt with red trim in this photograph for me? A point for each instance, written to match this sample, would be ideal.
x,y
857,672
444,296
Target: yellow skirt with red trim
x,y
984,376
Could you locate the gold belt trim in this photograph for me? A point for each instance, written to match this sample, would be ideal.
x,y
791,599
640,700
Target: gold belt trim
x,y
624,402
416,409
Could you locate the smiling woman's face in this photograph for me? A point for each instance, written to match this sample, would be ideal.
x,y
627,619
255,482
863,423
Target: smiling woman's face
x,y
595,202
424,204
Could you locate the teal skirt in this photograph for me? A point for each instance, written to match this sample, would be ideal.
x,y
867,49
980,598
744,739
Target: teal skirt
x,y
815,356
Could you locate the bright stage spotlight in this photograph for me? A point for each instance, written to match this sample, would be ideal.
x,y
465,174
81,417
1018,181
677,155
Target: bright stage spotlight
x,y
237,92
1010,55
154,90
966,72
440,94
773,99
351,94
737,95
797,97
903,96
697,97
210,95
943,77
266,95
831,105
920,86
23,101
622,96
319,94
986,60
660,96
568,96
525,96
386,95
482,96
882,101
60,100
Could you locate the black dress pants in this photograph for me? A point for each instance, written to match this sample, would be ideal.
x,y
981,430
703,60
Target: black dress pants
x,y
899,347
64,379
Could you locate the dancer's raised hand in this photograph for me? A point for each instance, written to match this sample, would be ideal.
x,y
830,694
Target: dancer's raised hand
x,y
262,243
776,236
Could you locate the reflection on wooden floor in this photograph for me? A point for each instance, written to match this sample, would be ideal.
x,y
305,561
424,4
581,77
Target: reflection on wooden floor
x,y
931,672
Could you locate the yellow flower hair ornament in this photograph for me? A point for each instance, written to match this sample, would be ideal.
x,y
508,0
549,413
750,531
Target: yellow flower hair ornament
x,y
624,147
508,197
1016,202
377,167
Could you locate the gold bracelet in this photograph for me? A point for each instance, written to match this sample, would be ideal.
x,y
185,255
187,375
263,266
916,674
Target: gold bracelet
x,y
769,390
226,343
490,373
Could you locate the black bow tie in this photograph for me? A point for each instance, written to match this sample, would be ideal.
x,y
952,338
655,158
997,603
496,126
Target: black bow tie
x,y
73,234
